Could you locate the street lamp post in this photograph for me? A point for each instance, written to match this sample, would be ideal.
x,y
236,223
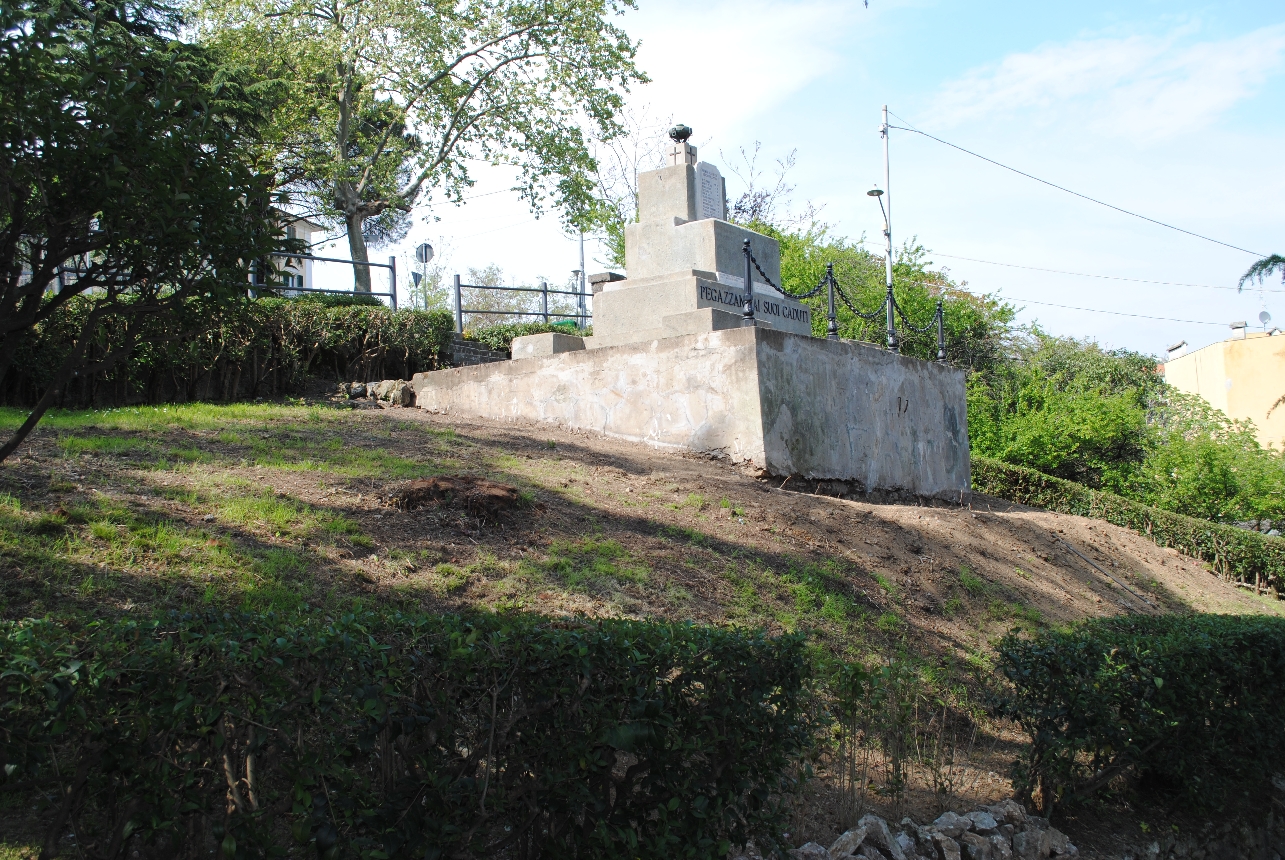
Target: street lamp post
x,y
890,301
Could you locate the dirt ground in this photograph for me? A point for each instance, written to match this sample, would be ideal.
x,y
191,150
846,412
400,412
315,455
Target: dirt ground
x,y
301,506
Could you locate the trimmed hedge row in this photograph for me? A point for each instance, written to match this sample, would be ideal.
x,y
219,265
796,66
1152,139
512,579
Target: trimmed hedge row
x,y
262,348
1190,706
1235,554
501,336
384,736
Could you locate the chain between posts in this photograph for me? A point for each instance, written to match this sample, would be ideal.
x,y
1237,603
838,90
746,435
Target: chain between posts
x,y
831,283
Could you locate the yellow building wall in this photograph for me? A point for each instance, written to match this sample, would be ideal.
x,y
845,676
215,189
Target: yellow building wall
x,y
1243,378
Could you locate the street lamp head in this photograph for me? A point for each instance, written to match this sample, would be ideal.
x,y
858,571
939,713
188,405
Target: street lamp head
x,y
875,192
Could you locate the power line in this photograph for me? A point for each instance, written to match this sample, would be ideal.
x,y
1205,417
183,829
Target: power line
x,y
1069,191
1087,275
498,229
1112,313
433,203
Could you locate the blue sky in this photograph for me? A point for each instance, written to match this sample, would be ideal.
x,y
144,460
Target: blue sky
x,y
1173,110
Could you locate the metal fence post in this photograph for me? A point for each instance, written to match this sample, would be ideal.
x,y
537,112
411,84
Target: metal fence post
x,y
747,317
392,279
459,310
832,332
891,302
941,331
544,300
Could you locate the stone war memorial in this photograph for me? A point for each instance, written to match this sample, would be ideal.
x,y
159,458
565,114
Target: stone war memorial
x,y
678,361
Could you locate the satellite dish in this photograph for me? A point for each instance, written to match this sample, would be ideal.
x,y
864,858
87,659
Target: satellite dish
x,y
424,253
1264,317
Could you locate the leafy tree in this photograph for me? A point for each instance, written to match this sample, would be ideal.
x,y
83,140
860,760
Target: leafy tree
x,y
381,101
1067,408
1203,464
1104,418
123,176
977,328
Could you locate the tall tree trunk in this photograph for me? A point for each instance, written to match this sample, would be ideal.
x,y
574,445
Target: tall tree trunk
x,y
357,248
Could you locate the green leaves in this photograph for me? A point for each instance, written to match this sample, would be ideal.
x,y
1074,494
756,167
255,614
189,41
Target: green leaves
x,y
1185,706
1105,419
383,733
114,167
376,103
269,344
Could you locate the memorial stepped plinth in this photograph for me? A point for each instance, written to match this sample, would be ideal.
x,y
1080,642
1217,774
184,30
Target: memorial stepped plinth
x,y
672,364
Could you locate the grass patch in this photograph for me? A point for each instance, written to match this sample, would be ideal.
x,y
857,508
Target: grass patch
x,y
72,446
885,583
589,562
972,583
726,504
889,622
695,501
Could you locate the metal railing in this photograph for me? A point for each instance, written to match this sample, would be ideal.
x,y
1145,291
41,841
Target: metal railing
x,y
544,311
391,266
889,310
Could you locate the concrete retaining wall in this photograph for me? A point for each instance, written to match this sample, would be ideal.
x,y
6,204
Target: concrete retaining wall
x,y
789,404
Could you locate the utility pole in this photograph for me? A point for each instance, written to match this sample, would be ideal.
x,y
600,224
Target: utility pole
x,y
890,301
582,308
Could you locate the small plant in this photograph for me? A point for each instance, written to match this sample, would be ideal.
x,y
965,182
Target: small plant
x,y
885,583
695,501
889,622
973,584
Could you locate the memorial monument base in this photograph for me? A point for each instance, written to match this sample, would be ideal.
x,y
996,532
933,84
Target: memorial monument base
x,y
785,403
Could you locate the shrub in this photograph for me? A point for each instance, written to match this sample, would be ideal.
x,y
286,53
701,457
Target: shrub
x,y
501,336
1188,705
401,736
259,348
1235,554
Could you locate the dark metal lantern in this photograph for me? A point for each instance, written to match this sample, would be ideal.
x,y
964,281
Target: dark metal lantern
x,y
680,133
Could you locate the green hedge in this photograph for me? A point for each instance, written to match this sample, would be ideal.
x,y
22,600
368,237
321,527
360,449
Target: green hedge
x,y
261,348
501,336
1188,705
1235,554
401,736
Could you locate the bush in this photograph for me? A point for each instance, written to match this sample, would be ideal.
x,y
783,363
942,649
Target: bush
x,y
423,736
501,336
259,348
1190,706
1235,554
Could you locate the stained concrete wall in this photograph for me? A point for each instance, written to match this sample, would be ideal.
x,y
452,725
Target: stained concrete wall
x,y
696,393
854,412
789,404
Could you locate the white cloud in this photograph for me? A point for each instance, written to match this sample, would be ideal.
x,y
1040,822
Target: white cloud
x,y
715,65
1146,88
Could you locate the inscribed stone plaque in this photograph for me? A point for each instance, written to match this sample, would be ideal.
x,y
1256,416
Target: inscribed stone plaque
x,y
710,201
